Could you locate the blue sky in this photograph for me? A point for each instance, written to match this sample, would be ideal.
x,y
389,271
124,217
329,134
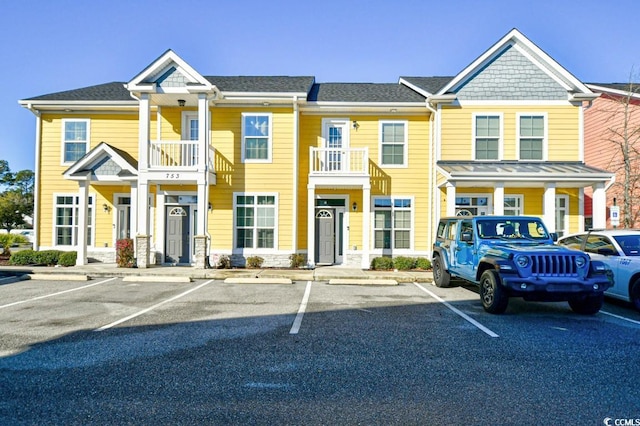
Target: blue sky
x,y
54,45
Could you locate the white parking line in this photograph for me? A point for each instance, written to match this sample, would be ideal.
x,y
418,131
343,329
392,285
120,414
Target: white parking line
x,y
620,317
55,294
457,311
303,307
144,311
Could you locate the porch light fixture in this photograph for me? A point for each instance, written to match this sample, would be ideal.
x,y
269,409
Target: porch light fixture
x,y
354,206
355,125
181,102
106,208
210,207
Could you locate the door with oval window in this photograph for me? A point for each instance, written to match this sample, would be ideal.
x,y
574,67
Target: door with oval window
x,y
177,235
325,236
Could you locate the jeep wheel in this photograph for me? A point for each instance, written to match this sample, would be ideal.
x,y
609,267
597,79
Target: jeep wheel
x,y
634,294
441,277
494,298
587,305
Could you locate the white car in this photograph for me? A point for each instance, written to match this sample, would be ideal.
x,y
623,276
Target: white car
x,y
618,248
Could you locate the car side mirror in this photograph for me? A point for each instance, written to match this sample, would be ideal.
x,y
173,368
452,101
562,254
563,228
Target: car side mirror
x,y
554,236
466,236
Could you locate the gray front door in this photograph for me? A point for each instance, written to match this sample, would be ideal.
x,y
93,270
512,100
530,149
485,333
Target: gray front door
x,y
325,236
177,235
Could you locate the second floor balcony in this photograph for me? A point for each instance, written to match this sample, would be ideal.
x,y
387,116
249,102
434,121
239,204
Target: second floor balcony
x,y
339,162
177,155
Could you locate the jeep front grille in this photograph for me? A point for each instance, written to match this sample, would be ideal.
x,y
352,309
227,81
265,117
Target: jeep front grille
x,y
554,265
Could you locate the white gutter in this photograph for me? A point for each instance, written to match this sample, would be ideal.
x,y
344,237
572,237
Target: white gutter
x,y
36,185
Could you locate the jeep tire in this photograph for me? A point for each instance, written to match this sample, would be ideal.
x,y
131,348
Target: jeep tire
x,y
493,296
441,277
587,305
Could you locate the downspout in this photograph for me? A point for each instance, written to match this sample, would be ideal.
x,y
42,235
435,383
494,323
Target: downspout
x,y
432,177
36,186
296,170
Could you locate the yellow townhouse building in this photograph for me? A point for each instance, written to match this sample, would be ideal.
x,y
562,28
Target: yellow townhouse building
x,y
195,167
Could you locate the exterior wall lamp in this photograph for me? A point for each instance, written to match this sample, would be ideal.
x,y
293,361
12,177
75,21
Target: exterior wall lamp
x,y
354,206
181,102
106,208
355,125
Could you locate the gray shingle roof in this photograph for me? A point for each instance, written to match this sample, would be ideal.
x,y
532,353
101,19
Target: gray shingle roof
x,y
429,84
114,91
363,92
256,84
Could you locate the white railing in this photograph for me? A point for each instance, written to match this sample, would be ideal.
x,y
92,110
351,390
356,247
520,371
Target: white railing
x,y
173,154
338,161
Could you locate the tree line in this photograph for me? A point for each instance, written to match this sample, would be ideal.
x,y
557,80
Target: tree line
x,y
16,197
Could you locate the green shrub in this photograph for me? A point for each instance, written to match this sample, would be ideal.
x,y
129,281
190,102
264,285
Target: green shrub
x,y
23,257
47,257
382,263
403,263
423,263
254,262
125,253
68,258
297,260
224,262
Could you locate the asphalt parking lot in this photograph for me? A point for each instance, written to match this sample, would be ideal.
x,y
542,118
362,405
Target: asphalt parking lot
x,y
109,351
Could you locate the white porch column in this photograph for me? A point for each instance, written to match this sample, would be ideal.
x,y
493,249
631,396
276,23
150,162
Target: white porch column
x,y
366,233
498,199
599,208
203,133
451,199
83,212
134,209
143,237
311,229
549,206
143,132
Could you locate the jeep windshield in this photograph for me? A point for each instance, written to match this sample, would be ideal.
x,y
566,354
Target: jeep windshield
x,y
499,229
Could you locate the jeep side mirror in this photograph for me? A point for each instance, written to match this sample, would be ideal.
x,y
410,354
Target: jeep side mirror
x,y
554,236
466,236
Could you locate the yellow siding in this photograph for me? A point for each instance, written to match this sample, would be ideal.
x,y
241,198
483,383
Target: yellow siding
x,y
119,130
562,121
234,176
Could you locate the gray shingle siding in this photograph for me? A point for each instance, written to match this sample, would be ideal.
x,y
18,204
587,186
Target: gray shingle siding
x,y
511,76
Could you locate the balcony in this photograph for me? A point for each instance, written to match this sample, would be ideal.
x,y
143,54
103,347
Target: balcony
x,y
338,167
176,155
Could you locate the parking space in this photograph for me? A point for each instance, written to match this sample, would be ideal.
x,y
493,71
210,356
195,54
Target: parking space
x,y
162,344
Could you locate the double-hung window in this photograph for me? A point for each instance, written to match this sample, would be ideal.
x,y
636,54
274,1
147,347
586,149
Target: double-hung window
x,y
256,137
393,143
487,134
392,223
531,137
67,209
255,221
75,139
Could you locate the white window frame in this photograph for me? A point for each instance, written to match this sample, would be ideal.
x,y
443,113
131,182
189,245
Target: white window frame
x,y
500,116
254,248
187,116
64,141
519,208
74,225
562,228
545,136
269,158
405,143
393,209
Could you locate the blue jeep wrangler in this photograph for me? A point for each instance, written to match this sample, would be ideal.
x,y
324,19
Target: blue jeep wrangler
x,y
515,256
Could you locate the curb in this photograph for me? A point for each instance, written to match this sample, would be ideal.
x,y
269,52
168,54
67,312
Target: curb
x,y
258,281
58,277
156,279
363,281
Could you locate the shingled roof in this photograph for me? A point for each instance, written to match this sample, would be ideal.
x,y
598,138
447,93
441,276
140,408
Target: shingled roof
x,y
428,84
262,84
114,91
362,92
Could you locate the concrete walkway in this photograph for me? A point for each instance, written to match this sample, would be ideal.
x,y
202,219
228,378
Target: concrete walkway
x,y
331,274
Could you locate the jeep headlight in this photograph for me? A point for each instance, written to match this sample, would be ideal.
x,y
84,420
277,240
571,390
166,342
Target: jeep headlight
x,y
581,261
522,261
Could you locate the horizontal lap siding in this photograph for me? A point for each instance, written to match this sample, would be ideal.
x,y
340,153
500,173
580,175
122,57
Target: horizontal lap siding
x,y
234,176
120,131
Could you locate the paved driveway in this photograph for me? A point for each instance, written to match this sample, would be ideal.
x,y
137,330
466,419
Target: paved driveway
x,y
111,352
